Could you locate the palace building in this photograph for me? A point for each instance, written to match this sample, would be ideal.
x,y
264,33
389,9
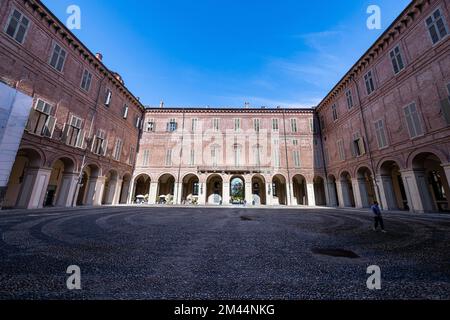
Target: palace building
x,y
72,134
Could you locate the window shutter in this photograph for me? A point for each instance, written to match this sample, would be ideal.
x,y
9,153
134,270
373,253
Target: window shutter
x,y
32,120
105,147
50,126
80,140
65,133
445,106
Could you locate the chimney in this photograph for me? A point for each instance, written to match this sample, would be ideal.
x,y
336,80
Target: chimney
x,y
161,105
99,56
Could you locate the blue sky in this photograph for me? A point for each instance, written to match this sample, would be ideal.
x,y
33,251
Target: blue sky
x,y
226,52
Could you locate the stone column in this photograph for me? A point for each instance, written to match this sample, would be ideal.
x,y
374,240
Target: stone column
x,y
340,193
117,192
311,194
67,190
153,193
34,188
330,194
248,193
177,193
417,191
360,193
387,193
95,191
226,192
269,194
290,200
202,194
447,176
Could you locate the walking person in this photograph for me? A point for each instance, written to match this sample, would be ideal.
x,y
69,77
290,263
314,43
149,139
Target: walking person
x,y
378,217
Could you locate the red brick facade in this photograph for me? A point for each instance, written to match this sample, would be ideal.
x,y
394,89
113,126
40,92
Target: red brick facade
x,y
381,134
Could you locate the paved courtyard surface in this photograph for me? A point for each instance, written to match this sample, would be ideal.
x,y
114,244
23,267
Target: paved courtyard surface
x,y
216,253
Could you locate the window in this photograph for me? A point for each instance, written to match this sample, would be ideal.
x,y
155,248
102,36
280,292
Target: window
x,y
17,26
275,126
322,122
58,57
125,111
370,85
237,155
349,97
326,155
237,125
297,158
137,121
341,150
358,148
257,155
195,188
276,157
100,143
194,125
131,156
445,104
108,97
436,26
151,126
86,80
317,155
381,134
397,60
118,149
294,125
312,125
295,142
257,124
192,158
145,158
216,124
72,133
169,157
413,121
172,125
214,155
334,111
41,122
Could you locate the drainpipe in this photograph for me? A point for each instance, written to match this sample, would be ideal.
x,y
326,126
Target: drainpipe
x,y
80,176
181,151
369,152
287,158
319,127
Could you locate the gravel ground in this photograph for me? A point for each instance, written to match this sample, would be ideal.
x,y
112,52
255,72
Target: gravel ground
x,y
221,253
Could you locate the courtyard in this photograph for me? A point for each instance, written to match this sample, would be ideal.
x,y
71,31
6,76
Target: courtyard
x,y
221,253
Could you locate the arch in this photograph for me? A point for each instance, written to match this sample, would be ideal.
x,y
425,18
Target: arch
x,y
190,189
348,197
20,185
416,154
70,163
366,185
432,183
141,188
59,190
214,189
110,185
258,190
166,189
278,190
400,163
237,189
392,189
299,189
90,192
125,187
319,191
